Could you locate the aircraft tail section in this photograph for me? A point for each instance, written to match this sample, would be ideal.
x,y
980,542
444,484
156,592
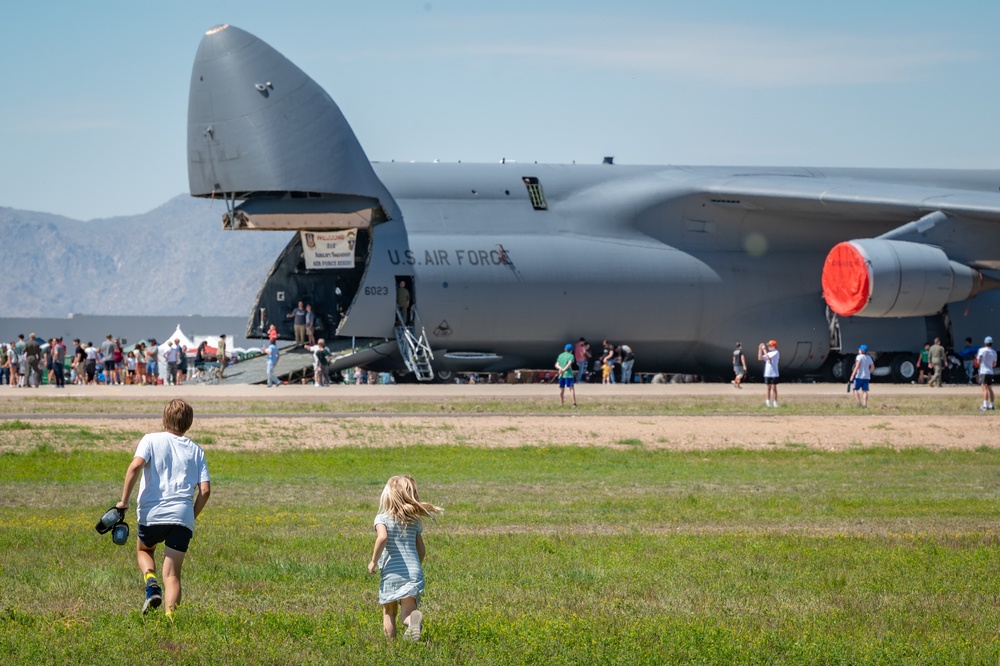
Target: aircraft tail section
x,y
260,129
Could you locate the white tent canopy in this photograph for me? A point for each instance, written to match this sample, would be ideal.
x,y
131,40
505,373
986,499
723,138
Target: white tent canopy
x,y
191,343
178,335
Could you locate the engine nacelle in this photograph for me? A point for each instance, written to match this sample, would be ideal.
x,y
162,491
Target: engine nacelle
x,y
887,278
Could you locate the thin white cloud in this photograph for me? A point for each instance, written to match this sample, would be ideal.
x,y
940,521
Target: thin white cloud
x,y
751,58
69,118
741,55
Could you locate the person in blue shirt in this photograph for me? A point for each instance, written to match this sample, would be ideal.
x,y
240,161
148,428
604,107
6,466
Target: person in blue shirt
x,y
272,360
310,325
968,356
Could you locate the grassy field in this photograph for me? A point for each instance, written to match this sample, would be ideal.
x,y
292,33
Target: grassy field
x,y
545,555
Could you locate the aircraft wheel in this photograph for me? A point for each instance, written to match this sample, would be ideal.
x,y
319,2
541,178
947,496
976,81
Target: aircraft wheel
x,y
904,368
839,369
444,376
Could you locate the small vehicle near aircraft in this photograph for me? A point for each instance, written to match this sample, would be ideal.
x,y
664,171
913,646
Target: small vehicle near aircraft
x,y
433,269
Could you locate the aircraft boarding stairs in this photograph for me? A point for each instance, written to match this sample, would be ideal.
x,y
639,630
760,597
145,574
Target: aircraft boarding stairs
x,y
416,352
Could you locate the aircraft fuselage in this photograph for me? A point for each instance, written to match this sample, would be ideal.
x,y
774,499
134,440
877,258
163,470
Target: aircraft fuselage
x,y
506,263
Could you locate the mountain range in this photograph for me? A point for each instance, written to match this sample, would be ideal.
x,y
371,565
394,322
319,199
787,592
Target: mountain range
x,y
173,260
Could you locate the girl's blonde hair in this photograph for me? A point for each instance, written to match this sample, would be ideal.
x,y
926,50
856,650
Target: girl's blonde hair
x,y
400,500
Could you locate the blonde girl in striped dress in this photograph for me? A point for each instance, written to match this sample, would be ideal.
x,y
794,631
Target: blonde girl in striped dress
x,y
398,554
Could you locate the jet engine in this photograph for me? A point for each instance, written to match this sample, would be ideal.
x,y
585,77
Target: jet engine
x,y
889,278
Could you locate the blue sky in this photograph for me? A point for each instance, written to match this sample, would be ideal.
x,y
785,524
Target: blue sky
x,y
92,122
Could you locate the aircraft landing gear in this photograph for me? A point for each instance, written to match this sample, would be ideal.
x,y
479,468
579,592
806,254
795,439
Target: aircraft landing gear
x,y
838,367
904,368
440,377
443,376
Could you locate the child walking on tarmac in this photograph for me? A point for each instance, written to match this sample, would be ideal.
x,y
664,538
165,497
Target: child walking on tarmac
x,y
398,554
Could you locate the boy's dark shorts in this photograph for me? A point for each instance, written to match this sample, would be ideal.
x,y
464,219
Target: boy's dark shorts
x,y
986,380
771,380
176,537
566,382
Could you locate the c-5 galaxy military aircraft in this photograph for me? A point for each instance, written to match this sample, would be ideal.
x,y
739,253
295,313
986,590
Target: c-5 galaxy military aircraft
x,y
503,264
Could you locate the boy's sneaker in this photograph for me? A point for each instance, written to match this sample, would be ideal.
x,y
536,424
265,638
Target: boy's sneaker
x,y
153,597
412,632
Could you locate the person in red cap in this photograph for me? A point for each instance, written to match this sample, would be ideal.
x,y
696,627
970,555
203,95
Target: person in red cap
x,y
769,354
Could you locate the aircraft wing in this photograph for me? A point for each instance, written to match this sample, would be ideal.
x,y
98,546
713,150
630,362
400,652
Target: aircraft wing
x,y
850,198
925,239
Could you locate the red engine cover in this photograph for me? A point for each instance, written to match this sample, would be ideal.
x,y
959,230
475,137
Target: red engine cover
x,y
846,280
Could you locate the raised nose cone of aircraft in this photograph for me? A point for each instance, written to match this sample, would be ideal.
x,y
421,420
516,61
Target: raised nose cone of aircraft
x,y
257,123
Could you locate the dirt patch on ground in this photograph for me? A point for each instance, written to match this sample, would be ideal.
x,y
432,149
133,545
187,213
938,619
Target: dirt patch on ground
x,y
902,416
772,431
658,432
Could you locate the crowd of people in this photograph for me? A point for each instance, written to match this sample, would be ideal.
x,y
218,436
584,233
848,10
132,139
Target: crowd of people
x,y
937,365
979,362
573,365
31,362
572,368
604,365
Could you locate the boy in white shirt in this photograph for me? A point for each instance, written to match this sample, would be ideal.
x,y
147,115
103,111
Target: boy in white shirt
x,y
174,489
986,359
861,375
